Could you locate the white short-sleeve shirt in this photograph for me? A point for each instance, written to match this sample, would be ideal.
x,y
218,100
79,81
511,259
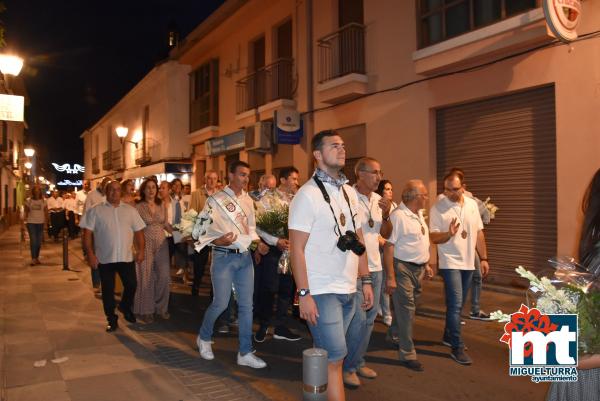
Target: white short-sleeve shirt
x,y
113,229
329,270
410,235
369,208
457,252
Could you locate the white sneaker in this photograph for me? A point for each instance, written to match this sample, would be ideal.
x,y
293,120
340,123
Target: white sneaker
x,y
387,320
250,360
205,349
179,272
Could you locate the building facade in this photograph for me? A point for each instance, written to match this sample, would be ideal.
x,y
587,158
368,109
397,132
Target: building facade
x,y
423,86
154,116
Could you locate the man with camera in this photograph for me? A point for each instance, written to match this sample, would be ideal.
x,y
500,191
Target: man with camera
x,y
374,212
328,255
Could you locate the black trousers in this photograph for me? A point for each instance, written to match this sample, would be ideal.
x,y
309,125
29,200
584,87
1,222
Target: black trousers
x,y
268,283
199,259
73,228
57,223
126,271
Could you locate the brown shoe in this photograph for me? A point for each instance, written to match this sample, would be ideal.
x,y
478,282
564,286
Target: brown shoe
x,y
351,379
366,372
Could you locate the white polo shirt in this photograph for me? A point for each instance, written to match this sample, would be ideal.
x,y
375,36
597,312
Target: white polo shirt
x,y
410,235
113,229
457,252
70,204
329,270
80,197
369,207
55,203
92,199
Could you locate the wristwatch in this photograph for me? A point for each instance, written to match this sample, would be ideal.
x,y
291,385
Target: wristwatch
x,y
303,292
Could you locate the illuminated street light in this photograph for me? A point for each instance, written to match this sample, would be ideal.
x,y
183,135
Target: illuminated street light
x,y
29,152
28,165
10,64
41,179
122,133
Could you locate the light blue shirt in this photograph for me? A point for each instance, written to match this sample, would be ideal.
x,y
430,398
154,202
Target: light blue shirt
x,y
113,229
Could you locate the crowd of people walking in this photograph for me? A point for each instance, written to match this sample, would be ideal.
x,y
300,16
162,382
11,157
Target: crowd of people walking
x,y
354,254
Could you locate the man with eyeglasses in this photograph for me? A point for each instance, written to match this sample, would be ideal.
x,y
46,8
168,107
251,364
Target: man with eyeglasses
x,y
327,254
457,229
375,214
406,260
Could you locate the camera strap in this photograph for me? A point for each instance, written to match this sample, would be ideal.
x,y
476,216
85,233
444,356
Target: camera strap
x,y
328,200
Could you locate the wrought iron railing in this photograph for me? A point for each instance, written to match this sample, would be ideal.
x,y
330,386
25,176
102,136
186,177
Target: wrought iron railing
x,y
342,52
272,82
117,160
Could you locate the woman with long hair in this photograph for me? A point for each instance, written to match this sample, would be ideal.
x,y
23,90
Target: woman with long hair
x,y
152,295
385,190
36,213
128,192
587,387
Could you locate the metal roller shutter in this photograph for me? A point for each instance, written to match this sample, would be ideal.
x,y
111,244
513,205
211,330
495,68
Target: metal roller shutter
x,y
507,148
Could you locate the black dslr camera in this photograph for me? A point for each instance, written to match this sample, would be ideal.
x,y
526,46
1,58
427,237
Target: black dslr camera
x,y
350,242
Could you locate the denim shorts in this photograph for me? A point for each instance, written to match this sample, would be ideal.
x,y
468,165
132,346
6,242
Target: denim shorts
x,y
335,313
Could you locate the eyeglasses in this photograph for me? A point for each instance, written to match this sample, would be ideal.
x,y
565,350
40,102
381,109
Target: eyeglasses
x,y
376,172
455,190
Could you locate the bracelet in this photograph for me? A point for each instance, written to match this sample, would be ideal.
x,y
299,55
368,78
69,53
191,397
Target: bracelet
x,y
483,259
366,279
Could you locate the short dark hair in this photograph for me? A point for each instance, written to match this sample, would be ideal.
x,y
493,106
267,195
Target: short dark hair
x,y
287,171
157,199
317,140
459,172
238,163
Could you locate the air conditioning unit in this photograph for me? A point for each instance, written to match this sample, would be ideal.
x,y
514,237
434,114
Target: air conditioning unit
x,y
258,136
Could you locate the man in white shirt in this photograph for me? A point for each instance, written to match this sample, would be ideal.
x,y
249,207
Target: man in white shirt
x,y
457,229
116,226
406,259
374,213
57,214
80,197
92,199
328,255
268,282
232,235
70,205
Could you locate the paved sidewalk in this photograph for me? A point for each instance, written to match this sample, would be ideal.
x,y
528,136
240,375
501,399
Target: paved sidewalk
x,y
49,315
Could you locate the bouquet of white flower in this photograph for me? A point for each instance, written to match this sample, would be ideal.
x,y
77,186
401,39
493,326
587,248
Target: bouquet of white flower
x,y
194,224
571,290
492,209
272,218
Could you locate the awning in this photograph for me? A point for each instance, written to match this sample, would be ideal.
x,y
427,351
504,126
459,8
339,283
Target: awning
x,y
174,168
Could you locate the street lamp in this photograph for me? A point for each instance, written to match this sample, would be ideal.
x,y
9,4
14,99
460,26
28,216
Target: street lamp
x,y
10,64
122,133
28,165
29,152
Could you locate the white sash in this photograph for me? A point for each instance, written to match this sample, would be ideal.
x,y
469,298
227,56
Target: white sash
x,y
233,210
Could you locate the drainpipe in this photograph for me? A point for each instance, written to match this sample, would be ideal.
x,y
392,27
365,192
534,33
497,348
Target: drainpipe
x,y
309,118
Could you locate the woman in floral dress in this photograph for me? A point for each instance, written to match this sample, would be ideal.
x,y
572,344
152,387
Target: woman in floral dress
x,y
153,277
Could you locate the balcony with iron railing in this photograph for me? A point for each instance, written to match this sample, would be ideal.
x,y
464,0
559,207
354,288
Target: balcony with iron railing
x,y
268,84
341,58
147,150
117,160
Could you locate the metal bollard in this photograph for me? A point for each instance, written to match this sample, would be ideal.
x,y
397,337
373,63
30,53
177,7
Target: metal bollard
x,y
314,374
65,250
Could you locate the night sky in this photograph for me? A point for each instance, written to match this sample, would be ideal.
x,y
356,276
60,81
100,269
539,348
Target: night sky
x,y
82,56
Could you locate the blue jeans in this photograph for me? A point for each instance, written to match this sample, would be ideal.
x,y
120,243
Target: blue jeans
x,y
384,299
335,313
228,269
476,287
456,287
36,232
361,326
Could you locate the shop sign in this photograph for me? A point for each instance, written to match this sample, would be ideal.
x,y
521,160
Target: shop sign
x,y
225,143
65,183
562,18
11,107
289,128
